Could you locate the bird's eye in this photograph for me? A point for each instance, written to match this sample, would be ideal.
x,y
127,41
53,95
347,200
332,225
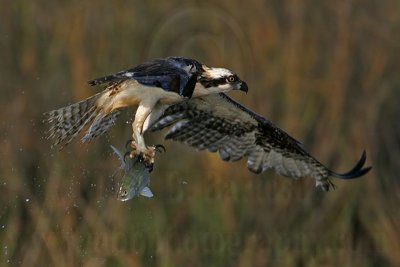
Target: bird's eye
x,y
232,78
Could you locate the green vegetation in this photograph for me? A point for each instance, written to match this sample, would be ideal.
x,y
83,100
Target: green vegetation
x,y
325,71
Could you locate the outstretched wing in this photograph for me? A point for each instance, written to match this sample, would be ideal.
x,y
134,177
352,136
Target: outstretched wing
x,y
173,74
218,123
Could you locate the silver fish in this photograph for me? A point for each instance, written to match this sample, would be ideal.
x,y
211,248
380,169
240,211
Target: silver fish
x,y
136,178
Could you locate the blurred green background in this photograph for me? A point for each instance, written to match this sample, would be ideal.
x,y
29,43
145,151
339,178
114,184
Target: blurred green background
x,y
325,71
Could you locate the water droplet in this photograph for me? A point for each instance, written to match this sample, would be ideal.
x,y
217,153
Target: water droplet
x,y
27,200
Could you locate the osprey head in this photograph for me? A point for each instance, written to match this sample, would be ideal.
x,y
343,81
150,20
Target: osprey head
x,y
221,80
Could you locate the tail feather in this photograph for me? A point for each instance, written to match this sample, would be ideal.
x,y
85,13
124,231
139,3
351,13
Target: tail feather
x,y
101,124
68,121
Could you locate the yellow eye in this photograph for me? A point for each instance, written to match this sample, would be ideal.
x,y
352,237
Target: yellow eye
x,y
232,78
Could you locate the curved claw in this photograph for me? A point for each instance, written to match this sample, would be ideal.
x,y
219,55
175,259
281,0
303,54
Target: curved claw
x,y
150,167
160,148
129,142
127,154
148,164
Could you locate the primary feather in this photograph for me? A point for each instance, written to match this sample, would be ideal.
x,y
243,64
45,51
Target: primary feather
x,y
218,123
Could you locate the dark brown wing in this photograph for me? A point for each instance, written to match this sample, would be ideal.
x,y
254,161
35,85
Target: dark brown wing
x,y
173,74
218,123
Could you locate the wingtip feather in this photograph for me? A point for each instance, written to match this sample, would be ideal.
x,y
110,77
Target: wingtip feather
x,y
357,171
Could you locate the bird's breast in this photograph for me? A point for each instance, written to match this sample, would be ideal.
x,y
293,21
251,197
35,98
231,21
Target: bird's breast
x,y
132,93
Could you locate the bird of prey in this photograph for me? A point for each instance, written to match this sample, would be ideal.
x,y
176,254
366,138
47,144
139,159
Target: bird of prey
x,y
152,86
190,98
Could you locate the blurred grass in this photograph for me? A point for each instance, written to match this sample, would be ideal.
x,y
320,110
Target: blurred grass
x,y
327,72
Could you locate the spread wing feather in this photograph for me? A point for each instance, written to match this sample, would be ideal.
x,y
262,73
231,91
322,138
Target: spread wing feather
x,y
218,123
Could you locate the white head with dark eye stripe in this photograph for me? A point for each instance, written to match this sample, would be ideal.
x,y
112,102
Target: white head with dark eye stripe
x,y
217,80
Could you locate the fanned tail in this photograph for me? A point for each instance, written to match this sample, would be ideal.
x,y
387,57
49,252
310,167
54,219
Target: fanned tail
x,y
101,124
65,123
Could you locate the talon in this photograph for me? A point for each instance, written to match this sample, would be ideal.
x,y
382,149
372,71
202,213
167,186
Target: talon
x,y
128,154
148,162
141,157
132,154
149,165
160,148
135,154
129,142
147,157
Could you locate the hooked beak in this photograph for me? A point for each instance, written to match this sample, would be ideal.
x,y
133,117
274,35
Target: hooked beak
x,y
243,87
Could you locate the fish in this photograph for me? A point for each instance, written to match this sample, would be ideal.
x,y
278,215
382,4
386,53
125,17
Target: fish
x,y
136,177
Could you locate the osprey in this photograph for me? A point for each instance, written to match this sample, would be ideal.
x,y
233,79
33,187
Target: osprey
x,y
152,86
190,98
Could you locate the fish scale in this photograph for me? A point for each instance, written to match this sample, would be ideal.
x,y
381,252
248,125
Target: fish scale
x,y
135,179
